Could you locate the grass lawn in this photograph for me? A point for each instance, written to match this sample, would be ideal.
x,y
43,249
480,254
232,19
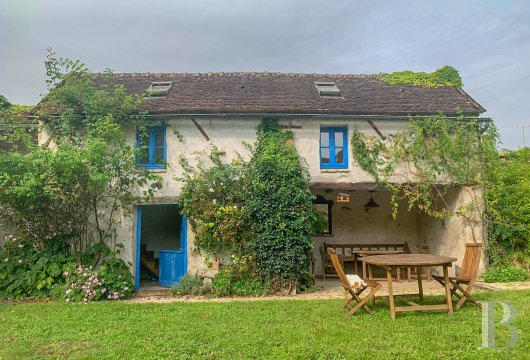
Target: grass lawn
x,y
311,329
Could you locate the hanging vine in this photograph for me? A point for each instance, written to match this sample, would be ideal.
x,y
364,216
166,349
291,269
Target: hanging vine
x,y
432,155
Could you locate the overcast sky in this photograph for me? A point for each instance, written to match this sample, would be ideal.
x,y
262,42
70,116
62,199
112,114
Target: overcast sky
x,y
487,41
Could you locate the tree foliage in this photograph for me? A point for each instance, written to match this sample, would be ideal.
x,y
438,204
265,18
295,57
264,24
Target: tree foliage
x,y
4,103
213,197
508,197
433,154
78,189
445,76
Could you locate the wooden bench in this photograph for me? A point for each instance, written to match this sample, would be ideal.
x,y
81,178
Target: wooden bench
x,y
349,253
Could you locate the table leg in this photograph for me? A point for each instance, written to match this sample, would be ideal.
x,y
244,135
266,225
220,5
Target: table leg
x,y
364,270
420,285
370,274
390,293
448,292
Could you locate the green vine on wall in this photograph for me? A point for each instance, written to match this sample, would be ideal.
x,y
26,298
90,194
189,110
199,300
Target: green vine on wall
x,y
421,163
445,76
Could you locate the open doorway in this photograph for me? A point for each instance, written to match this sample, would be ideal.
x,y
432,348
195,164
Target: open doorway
x,y
161,246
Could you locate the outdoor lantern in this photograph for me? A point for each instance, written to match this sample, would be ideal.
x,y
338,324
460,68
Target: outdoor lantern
x,y
371,203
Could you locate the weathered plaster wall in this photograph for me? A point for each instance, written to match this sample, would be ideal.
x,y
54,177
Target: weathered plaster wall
x,y
227,135
449,237
352,223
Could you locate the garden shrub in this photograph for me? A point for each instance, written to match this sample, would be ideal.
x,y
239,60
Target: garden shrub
x,y
191,284
505,274
229,282
29,272
213,198
112,280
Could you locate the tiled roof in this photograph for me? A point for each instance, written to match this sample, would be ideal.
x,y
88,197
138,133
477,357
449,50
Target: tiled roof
x,y
291,93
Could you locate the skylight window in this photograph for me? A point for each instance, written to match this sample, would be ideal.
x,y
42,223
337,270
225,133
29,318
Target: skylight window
x,y
159,89
328,90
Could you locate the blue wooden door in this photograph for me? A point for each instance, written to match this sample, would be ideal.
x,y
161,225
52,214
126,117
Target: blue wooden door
x,y
174,263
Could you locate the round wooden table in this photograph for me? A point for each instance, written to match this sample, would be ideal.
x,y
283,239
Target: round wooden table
x,y
388,262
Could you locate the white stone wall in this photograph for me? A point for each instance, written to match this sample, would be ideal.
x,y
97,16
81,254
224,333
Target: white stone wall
x,y
349,226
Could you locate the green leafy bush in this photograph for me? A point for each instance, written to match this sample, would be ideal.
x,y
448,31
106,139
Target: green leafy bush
x,y
191,284
112,280
509,207
445,76
228,282
505,274
29,272
213,198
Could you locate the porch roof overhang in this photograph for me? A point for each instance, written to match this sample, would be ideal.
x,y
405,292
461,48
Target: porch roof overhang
x,y
365,186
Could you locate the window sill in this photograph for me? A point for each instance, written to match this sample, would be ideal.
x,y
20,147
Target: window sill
x,y
324,235
153,169
335,170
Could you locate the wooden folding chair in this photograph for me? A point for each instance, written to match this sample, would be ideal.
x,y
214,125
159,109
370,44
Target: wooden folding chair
x,y
373,285
467,276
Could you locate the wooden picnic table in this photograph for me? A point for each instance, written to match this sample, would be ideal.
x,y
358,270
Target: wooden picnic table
x,y
418,261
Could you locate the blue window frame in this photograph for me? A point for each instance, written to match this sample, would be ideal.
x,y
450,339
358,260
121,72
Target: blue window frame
x,y
152,145
334,148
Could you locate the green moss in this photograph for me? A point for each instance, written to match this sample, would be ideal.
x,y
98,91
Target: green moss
x,y
445,76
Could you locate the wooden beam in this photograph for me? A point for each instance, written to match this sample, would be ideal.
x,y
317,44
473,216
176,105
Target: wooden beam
x,y
376,129
201,130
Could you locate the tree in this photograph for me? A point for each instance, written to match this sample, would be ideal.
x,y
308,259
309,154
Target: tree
x,y
78,190
509,207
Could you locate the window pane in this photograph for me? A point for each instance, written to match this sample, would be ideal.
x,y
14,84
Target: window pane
x,y
339,155
143,156
159,138
324,156
322,218
324,138
159,156
339,139
143,145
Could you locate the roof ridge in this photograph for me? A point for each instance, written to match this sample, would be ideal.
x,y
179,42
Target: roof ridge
x,y
238,73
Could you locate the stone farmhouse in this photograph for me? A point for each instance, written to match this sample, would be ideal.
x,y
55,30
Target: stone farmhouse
x,y
190,112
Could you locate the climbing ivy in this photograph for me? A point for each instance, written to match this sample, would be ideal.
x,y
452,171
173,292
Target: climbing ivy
x,y
445,76
433,154
260,211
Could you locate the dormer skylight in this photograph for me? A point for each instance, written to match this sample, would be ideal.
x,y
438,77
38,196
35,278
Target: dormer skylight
x,y
158,89
328,89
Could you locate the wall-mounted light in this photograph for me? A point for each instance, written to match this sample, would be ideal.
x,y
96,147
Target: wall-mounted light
x,y
371,203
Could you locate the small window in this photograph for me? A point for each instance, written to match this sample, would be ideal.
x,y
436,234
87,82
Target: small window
x,y
158,89
334,148
328,90
323,212
151,143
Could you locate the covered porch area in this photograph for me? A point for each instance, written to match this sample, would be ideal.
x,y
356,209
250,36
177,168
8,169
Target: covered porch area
x,y
361,214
